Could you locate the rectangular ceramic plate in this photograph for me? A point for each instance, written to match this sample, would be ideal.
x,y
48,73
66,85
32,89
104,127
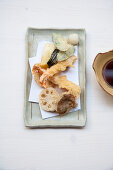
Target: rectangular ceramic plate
x,y
32,115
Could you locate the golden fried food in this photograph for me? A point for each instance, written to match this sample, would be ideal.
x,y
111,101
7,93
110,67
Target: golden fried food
x,y
60,66
37,71
56,58
66,103
62,82
48,99
46,55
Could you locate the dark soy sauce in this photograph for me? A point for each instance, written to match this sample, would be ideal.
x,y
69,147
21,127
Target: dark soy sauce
x,y
108,73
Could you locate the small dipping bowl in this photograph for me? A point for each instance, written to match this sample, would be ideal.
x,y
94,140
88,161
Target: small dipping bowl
x,y
103,67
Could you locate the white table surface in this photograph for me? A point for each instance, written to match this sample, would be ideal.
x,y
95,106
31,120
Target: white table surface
x,y
90,148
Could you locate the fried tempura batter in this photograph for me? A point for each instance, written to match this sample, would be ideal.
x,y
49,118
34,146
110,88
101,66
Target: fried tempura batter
x,y
66,103
60,66
37,71
62,82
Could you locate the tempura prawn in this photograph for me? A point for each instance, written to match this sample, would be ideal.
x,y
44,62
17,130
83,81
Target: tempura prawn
x,y
62,82
60,66
37,71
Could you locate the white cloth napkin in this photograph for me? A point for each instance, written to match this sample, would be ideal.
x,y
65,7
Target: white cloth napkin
x,y
72,75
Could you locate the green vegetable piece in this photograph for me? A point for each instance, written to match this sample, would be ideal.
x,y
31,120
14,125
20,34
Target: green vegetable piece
x,y
64,55
60,42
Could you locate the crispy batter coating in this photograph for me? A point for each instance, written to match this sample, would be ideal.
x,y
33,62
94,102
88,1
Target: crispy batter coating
x,y
60,66
48,99
62,82
36,74
37,71
66,103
